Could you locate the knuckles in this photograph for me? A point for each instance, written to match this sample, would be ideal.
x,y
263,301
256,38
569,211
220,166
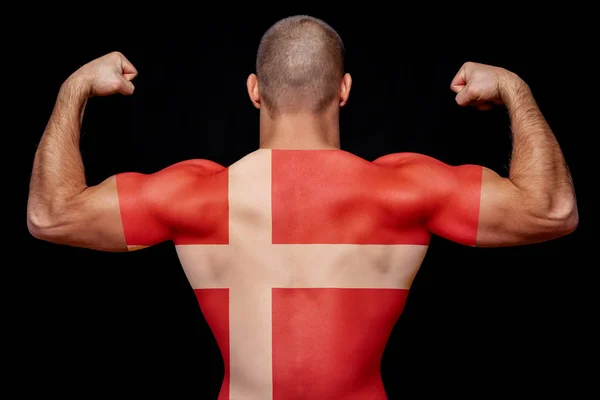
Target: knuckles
x,y
115,54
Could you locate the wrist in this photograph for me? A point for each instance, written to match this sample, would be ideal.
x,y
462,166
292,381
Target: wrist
x,y
512,88
76,87
74,94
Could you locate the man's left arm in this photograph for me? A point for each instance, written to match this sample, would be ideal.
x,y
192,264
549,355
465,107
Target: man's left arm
x,y
61,207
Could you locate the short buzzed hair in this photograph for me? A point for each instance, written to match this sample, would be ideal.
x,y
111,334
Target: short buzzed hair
x,y
300,64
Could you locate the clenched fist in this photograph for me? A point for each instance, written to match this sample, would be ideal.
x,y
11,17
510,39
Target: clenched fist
x,y
482,85
109,74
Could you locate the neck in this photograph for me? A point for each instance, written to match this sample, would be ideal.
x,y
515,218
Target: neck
x,y
300,131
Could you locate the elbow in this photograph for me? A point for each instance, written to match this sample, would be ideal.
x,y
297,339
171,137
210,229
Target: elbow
x,y
570,221
51,221
566,216
38,224
41,225
561,220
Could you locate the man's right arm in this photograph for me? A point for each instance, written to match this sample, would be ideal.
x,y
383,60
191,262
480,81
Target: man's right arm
x,y
536,202
539,182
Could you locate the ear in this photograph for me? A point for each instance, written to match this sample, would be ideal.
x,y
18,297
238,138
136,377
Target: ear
x,y
345,86
252,84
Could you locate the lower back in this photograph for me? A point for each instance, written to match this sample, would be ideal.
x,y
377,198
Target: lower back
x,y
316,343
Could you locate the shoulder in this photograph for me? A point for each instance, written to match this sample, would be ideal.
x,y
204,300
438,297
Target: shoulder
x,y
414,164
185,172
428,171
395,160
195,167
188,178
172,180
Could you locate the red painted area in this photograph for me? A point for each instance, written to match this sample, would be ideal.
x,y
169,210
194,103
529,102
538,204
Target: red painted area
x,y
328,343
334,197
449,196
186,202
214,304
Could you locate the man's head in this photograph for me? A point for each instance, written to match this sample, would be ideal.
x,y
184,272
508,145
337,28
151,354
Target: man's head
x,y
299,68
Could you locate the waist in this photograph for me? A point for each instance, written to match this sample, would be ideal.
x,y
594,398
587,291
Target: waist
x,y
309,384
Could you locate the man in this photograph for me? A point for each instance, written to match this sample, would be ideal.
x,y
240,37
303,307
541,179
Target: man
x,y
301,255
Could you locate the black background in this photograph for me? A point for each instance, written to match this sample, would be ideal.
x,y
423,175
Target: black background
x,y
478,321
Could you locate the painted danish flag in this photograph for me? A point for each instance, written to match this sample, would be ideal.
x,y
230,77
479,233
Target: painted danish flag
x,y
301,260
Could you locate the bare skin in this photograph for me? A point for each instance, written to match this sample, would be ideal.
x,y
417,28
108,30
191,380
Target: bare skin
x,y
265,266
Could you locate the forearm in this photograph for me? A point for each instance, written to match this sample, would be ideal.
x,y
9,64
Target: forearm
x,y
58,173
538,168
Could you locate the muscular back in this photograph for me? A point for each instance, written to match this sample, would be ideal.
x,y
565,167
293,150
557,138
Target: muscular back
x,y
302,260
